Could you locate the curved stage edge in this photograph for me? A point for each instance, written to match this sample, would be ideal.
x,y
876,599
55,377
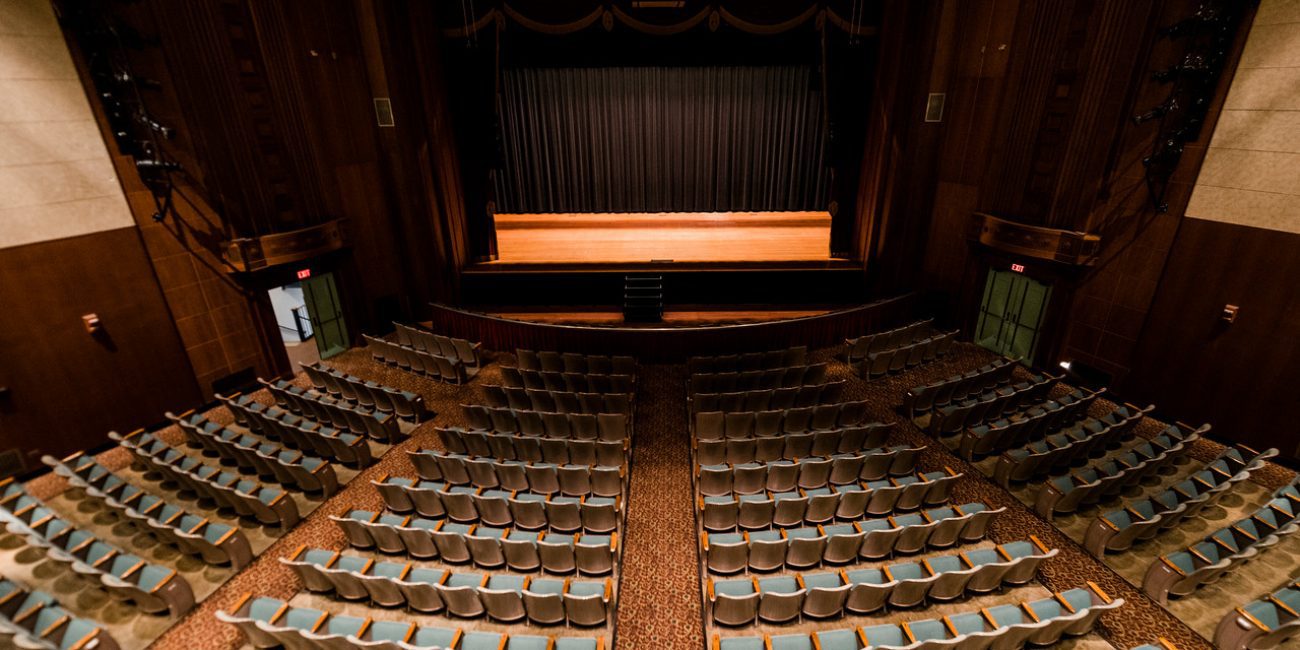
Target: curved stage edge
x,y
673,343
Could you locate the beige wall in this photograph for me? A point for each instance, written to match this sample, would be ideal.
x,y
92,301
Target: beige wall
x,y
1251,175
56,179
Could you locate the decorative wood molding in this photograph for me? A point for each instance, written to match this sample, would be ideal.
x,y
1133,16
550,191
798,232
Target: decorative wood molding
x,y
1064,246
255,253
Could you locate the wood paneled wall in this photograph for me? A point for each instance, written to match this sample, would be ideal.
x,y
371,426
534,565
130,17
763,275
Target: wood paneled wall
x,y
1242,376
675,343
68,388
1038,131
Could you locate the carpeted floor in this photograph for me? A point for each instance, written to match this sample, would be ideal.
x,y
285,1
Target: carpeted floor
x,y
659,580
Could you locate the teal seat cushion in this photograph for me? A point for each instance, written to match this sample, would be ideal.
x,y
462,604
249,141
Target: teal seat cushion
x,y
388,631
480,641
264,609
823,580
778,585
885,635
433,637
351,563
791,642
527,642
1264,612
587,587
737,587
387,569
425,575
301,618
741,643
506,581
866,576
837,640
968,623
927,629
546,586
575,643
907,571
464,580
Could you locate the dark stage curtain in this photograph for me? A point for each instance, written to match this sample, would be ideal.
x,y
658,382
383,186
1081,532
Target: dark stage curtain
x,y
662,139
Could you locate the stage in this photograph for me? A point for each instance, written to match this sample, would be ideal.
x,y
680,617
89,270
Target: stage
x,y
669,237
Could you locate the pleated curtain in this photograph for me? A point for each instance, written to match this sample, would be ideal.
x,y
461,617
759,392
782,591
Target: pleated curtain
x,y
661,139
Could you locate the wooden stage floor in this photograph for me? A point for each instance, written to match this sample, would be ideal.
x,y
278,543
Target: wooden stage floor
x,y
669,236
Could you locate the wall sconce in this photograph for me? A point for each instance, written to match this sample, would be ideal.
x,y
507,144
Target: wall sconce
x,y
91,321
1229,313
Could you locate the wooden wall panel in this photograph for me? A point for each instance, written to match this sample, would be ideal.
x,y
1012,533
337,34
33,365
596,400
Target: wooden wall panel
x,y
1240,377
674,343
68,388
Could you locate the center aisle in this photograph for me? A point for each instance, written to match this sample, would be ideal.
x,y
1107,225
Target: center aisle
x,y
659,604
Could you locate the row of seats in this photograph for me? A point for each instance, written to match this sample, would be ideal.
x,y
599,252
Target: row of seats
x,y
495,507
468,353
272,623
811,507
1031,425
340,384
924,398
1075,444
877,497
1140,520
514,446
589,364
770,379
716,425
215,542
1266,622
430,364
502,597
543,478
991,405
1182,572
856,349
270,460
1042,622
582,426
153,588
486,546
1112,476
800,548
829,594
572,382
890,360
807,472
793,356
301,433
770,399
792,446
557,401
903,492
338,413
269,505
32,619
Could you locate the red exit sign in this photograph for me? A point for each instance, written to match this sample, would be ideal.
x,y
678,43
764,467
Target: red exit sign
x,y
1018,268
306,273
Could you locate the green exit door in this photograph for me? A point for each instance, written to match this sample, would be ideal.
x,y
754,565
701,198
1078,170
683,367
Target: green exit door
x,y
1011,314
326,314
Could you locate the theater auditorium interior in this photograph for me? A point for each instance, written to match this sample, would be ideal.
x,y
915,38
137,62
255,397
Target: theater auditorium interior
x,y
646,324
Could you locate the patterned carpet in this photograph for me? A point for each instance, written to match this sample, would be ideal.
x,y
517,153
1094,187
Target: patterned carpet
x,y
659,602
